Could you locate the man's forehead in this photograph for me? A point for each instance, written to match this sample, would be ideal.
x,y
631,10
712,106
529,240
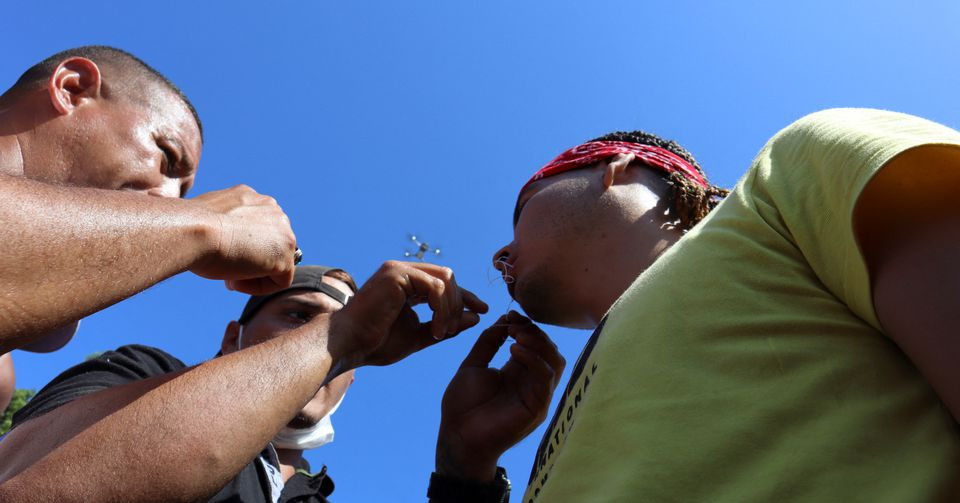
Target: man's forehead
x,y
175,113
539,185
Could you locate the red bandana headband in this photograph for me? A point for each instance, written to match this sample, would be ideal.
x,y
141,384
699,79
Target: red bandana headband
x,y
596,151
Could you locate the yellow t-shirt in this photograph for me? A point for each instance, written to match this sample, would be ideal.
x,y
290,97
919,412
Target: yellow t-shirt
x,y
747,363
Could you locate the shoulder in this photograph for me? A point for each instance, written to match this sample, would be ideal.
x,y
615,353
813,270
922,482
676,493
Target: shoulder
x,y
859,129
112,368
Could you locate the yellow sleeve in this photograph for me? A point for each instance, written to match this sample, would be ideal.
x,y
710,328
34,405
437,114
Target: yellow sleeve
x,y
807,179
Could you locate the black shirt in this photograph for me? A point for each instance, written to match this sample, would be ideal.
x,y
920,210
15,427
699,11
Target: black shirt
x,y
134,363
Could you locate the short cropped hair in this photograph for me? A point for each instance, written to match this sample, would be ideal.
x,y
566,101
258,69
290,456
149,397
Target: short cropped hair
x,y
102,54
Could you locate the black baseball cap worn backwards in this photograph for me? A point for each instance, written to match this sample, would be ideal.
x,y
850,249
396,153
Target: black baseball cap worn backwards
x,y
306,277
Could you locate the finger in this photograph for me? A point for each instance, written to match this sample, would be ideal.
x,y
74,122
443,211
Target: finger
x,y
418,284
487,345
469,299
543,376
284,279
454,302
472,302
467,320
531,337
447,318
254,286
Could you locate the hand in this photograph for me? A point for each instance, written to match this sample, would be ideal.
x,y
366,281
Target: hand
x,y
379,326
485,411
253,244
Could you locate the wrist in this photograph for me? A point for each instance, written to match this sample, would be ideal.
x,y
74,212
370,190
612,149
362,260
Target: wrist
x,y
339,338
458,463
205,229
444,489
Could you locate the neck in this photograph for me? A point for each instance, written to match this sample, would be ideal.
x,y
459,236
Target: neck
x,y
617,271
290,461
11,152
22,114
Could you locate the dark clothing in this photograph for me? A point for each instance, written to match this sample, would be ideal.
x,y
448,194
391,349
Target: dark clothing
x,y
134,363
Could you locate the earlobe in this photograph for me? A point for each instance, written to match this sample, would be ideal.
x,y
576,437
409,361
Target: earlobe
x,y
616,168
72,82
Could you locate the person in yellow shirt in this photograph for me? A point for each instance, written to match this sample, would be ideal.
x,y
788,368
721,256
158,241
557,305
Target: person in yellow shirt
x,y
799,343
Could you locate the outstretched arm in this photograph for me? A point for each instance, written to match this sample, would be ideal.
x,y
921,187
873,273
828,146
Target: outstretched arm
x,y
182,436
69,252
907,222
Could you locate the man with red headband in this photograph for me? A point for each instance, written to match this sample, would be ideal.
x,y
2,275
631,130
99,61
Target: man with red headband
x,y
797,343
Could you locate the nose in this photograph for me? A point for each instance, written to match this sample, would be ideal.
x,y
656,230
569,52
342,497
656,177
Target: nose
x,y
168,187
503,259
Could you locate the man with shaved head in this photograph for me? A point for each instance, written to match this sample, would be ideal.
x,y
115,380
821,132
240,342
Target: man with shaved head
x,y
97,151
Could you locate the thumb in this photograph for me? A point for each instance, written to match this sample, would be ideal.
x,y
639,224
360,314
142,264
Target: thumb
x,y
487,344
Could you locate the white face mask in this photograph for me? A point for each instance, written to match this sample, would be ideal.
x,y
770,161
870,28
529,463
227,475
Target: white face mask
x,y
302,439
315,436
54,339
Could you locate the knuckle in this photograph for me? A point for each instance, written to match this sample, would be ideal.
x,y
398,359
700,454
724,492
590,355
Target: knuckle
x,y
446,274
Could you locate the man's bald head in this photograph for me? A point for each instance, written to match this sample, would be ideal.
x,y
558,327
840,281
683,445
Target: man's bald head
x,y
125,71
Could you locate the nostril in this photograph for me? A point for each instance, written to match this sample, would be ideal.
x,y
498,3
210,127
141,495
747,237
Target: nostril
x,y
502,262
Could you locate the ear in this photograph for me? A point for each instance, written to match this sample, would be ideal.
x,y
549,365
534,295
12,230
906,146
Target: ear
x,y
230,336
615,169
74,81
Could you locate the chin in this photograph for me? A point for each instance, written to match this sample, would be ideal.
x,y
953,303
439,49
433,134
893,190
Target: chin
x,y
310,415
539,309
302,421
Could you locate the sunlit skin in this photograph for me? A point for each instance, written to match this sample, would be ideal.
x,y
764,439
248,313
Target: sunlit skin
x,y
581,238
79,150
281,314
67,133
111,438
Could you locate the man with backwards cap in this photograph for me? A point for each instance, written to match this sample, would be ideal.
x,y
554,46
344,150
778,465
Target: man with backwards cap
x,y
799,343
136,424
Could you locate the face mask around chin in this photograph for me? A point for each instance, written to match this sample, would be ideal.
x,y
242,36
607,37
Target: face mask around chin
x,y
302,439
315,436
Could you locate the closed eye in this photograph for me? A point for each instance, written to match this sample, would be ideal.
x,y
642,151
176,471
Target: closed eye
x,y
170,162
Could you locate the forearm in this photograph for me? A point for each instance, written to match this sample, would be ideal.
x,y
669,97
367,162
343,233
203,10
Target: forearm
x,y
178,438
68,252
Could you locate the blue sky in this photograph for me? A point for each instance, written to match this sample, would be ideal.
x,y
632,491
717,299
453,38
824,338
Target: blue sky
x,y
368,120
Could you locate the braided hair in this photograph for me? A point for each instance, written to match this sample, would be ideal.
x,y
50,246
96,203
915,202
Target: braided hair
x,y
689,202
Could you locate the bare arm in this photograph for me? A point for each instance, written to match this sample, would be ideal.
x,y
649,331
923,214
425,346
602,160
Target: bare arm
x,y
68,252
178,437
181,437
907,222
